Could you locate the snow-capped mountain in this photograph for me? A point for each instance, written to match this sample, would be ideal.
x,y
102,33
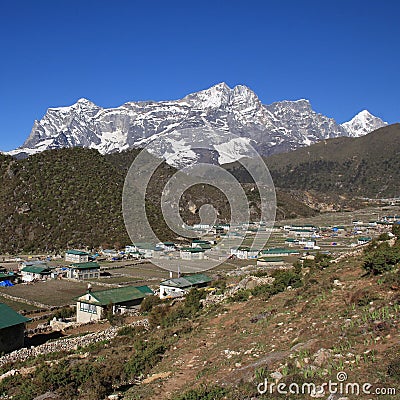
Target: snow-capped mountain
x,y
364,122
217,124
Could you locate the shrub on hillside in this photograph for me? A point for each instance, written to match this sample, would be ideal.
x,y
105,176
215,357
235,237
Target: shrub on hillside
x,y
380,258
283,279
363,297
147,355
240,296
203,393
167,316
149,302
396,230
394,369
383,236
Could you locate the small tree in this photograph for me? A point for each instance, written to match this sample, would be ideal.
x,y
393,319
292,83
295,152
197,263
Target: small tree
x,y
383,236
113,319
396,230
381,258
192,301
149,302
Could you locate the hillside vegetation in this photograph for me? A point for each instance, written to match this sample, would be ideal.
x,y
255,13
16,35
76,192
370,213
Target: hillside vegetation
x,y
367,166
72,198
301,325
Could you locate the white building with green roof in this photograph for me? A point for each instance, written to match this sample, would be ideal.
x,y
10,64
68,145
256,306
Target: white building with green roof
x,y
82,271
76,256
192,253
244,252
177,287
145,249
278,252
35,272
92,306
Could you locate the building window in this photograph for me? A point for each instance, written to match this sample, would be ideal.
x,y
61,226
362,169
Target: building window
x,y
90,308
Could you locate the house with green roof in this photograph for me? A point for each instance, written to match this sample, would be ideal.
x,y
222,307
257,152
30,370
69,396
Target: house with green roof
x,y
291,242
364,239
92,306
278,252
82,271
76,256
35,272
177,287
192,253
12,329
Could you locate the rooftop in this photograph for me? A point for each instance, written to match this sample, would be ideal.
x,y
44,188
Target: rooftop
x,y
33,262
271,259
8,317
187,281
279,250
192,249
77,252
118,295
3,275
86,265
36,269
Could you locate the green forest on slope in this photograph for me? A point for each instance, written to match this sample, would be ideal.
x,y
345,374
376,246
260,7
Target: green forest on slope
x,y
68,198
367,166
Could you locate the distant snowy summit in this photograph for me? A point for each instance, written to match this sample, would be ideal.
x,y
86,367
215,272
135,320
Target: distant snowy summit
x,y
364,122
225,123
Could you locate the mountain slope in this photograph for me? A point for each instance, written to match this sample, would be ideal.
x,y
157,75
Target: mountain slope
x,y
224,121
230,345
72,198
367,166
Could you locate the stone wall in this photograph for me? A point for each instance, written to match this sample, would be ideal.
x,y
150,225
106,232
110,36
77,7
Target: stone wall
x,y
66,344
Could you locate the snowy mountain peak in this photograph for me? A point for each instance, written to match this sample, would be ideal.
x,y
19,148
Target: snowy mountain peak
x,y
215,97
364,114
81,105
230,121
364,122
222,86
244,92
85,102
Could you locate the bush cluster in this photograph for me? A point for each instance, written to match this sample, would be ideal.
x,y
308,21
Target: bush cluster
x,y
283,279
380,258
204,393
167,315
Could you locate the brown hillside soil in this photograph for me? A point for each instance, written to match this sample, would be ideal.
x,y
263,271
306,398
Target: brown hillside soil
x,y
337,310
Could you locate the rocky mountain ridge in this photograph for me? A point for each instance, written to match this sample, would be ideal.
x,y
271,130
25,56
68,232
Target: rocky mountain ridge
x,y
218,124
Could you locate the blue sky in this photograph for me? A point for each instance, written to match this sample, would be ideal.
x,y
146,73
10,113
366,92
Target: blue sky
x,y
341,55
